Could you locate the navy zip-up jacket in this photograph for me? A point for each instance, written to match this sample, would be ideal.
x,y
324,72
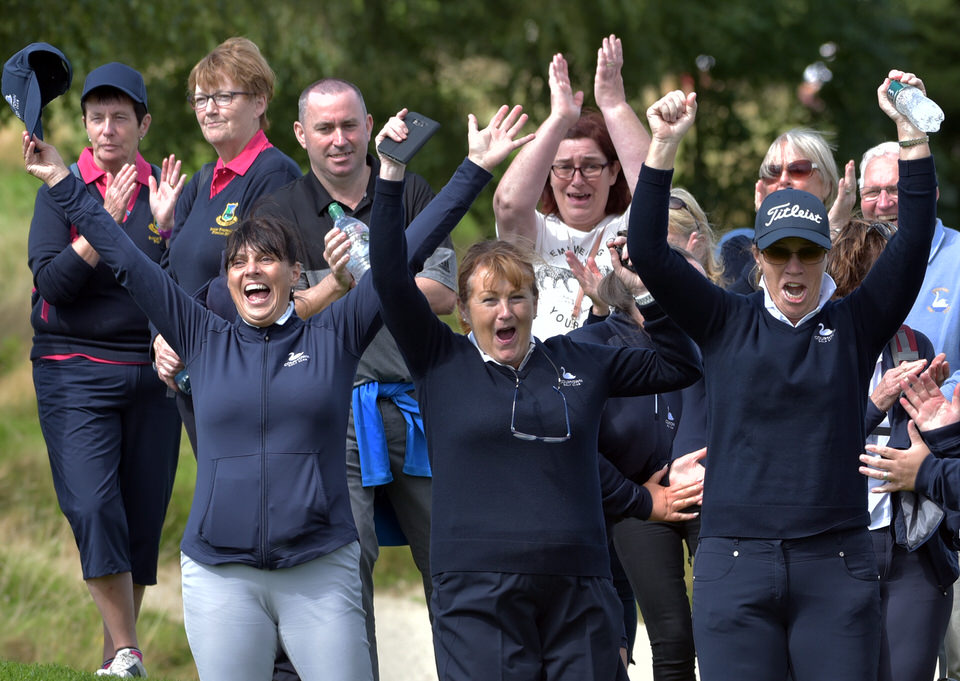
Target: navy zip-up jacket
x,y
271,403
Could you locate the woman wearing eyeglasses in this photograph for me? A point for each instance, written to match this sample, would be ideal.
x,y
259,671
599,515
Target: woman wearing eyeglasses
x,y
580,170
785,576
917,567
229,91
521,573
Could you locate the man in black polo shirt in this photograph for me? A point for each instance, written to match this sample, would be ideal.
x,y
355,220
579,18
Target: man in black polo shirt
x,y
335,129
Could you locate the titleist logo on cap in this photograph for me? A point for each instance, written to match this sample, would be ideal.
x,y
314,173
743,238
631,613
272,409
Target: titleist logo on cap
x,y
790,210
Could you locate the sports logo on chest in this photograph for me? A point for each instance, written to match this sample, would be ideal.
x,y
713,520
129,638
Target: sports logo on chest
x,y
228,216
823,334
295,358
941,300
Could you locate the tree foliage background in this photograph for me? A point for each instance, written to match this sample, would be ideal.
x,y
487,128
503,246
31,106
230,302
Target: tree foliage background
x,y
745,59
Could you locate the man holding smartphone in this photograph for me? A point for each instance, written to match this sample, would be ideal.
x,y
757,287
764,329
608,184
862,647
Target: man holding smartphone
x,y
335,129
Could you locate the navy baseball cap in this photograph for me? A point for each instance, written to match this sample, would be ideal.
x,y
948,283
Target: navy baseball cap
x,y
119,76
791,212
32,78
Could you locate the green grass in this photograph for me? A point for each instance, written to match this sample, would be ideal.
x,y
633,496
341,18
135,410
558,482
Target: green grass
x,y
47,612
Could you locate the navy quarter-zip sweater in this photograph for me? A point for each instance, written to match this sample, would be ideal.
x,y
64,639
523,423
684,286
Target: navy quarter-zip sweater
x,y
785,404
501,504
271,403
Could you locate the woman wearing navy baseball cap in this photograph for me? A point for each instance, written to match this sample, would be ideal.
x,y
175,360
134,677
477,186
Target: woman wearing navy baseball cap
x,y
112,433
785,576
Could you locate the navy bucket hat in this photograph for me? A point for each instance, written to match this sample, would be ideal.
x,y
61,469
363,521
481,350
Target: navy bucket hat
x,y
32,78
791,212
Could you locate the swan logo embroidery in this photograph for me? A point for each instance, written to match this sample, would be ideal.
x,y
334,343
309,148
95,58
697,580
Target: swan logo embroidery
x,y
295,358
569,380
670,421
940,301
823,334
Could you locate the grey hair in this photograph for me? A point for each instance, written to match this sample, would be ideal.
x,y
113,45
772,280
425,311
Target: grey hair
x,y
813,145
882,149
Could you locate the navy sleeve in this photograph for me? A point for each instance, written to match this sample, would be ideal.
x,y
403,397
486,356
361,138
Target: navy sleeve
x,y
673,364
59,273
621,496
687,296
405,310
891,286
179,318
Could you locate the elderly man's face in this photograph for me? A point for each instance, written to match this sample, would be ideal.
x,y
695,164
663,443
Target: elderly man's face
x,y
878,198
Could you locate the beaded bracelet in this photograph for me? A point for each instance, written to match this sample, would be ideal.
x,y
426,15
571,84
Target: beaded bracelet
x,y
914,142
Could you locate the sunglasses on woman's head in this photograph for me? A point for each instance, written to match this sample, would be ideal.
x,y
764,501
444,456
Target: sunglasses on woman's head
x,y
676,203
797,170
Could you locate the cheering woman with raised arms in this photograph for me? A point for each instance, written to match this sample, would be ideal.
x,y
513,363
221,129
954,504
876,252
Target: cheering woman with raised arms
x,y
270,550
785,576
518,554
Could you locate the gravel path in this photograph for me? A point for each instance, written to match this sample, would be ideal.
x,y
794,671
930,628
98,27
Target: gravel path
x,y
406,648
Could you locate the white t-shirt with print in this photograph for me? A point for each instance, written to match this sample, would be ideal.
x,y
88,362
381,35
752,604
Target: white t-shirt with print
x,y
558,287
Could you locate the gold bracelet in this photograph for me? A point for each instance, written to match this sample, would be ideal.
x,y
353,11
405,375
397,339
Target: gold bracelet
x,y
914,142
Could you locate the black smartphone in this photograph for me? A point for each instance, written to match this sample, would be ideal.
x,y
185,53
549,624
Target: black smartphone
x,y
419,130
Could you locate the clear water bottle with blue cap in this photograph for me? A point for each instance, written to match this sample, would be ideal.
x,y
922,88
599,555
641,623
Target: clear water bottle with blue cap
x,y
922,111
359,236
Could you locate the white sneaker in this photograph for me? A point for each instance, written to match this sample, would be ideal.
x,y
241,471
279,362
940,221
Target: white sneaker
x,y
126,664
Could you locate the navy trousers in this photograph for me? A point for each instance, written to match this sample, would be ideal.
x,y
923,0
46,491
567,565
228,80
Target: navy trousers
x,y
810,607
494,626
113,437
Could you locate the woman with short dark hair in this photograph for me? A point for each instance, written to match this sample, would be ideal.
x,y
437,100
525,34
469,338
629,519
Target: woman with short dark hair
x,y
270,551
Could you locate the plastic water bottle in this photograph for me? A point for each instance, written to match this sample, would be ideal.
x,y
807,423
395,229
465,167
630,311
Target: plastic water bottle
x,y
922,111
359,236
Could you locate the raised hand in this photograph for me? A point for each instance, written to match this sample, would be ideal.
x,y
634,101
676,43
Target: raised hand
x,y
564,102
42,160
887,106
120,188
490,146
843,205
396,130
336,252
588,275
926,405
672,115
608,82
164,194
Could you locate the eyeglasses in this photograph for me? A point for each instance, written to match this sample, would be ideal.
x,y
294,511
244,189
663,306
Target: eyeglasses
x,y
808,255
225,98
513,412
873,193
589,170
676,203
797,170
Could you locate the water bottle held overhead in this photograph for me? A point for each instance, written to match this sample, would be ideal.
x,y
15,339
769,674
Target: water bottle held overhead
x,y
359,236
922,111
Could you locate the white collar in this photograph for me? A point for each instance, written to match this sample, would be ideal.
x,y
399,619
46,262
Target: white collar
x,y
827,288
488,358
280,322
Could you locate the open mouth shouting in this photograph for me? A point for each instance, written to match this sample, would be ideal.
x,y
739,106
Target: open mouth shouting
x,y
256,293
